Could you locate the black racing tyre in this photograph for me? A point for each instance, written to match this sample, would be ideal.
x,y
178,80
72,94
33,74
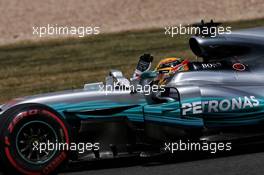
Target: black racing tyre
x,y
24,130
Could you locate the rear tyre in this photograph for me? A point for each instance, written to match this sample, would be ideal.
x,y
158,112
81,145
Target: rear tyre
x,y
26,129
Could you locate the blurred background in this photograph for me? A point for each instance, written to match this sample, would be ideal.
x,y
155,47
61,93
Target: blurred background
x,y
129,28
18,16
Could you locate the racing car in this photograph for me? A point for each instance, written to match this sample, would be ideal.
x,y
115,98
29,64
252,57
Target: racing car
x,y
208,103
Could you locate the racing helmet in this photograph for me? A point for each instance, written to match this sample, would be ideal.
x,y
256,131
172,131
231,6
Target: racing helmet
x,y
168,67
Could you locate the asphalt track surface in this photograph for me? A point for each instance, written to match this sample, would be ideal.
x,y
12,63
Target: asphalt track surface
x,y
247,161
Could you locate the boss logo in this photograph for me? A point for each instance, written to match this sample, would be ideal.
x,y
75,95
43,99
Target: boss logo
x,y
211,65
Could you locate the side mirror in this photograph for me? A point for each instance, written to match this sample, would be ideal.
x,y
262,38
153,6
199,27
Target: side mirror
x,y
165,95
116,79
146,78
148,75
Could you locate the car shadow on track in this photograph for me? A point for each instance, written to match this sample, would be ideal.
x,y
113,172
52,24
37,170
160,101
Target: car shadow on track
x,y
158,160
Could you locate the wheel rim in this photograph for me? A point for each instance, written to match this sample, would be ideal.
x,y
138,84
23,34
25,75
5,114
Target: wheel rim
x,y
35,132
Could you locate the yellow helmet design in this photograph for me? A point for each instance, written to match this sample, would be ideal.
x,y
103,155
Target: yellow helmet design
x,y
168,67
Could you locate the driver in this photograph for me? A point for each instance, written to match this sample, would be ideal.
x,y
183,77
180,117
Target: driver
x,y
169,66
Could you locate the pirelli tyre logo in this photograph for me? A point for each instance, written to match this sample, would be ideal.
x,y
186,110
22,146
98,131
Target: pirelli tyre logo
x,y
224,105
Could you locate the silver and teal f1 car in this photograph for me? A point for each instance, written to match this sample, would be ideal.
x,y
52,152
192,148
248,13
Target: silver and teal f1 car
x,y
219,99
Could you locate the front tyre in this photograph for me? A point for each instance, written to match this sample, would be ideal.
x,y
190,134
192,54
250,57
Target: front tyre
x,y
29,136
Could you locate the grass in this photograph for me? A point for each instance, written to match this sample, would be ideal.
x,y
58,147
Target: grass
x,y
57,64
